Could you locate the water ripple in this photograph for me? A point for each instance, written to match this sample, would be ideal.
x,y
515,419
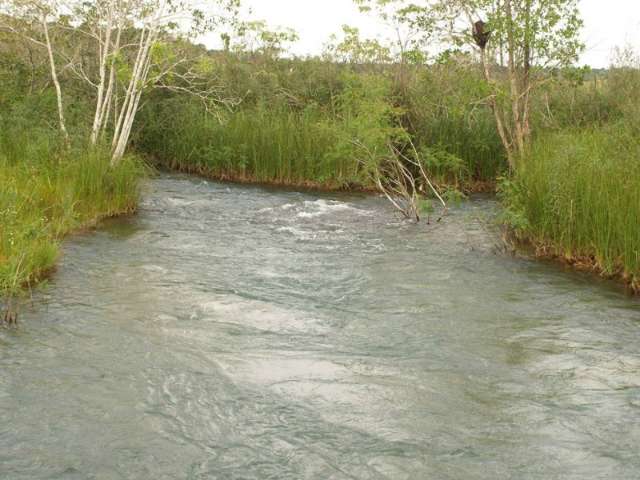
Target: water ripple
x,y
231,332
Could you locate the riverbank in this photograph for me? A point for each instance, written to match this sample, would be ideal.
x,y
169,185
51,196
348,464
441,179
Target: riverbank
x,y
479,186
245,179
587,219
332,138
576,198
49,192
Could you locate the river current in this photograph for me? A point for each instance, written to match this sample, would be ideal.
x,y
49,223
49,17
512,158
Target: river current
x,y
236,332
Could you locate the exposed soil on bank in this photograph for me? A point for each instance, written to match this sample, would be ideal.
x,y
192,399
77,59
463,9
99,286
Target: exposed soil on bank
x,y
579,261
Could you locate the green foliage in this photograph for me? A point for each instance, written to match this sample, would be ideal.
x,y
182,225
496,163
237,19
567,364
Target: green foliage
x,y
256,37
550,28
48,191
330,122
404,16
353,49
564,103
514,199
264,144
274,141
455,134
310,122
577,193
425,205
592,212
446,167
453,196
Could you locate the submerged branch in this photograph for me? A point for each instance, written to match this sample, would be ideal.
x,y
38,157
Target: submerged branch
x,y
401,179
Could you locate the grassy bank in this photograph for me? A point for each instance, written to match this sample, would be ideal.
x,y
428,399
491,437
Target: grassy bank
x,y
47,192
313,124
279,147
577,197
270,141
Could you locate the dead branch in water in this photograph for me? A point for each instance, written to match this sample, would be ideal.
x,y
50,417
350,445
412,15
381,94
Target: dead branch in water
x,y
402,179
9,316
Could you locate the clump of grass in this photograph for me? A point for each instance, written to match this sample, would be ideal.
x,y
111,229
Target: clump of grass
x,y
577,196
445,115
276,143
262,145
49,191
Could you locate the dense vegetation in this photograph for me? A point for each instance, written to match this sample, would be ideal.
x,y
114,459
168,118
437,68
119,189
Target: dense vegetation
x,y
49,190
559,142
308,122
576,195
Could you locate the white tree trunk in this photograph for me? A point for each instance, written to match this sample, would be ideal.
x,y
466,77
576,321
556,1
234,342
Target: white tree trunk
x,y
104,50
106,88
124,108
54,78
133,95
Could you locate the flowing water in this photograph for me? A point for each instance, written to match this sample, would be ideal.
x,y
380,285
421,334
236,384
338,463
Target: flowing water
x,y
231,332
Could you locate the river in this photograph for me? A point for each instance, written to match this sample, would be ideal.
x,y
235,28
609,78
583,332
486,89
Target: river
x,y
237,332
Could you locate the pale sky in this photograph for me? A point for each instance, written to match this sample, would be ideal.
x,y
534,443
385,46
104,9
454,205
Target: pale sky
x,y
608,23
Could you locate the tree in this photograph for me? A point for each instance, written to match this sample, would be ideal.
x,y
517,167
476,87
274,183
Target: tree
x,y
534,35
402,179
140,44
152,56
412,25
255,37
354,49
32,20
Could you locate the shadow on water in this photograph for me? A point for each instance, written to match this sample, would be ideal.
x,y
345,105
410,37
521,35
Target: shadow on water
x,y
238,332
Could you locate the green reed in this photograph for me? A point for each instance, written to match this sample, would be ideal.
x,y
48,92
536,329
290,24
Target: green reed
x,y
578,193
48,191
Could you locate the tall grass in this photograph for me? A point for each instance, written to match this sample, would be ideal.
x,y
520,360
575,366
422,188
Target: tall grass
x,y
445,114
276,142
311,147
577,195
271,146
470,141
48,191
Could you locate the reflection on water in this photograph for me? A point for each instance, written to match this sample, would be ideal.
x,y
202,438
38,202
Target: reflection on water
x,y
234,332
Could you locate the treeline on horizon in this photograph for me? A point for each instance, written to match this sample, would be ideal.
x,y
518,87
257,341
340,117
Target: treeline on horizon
x,y
567,168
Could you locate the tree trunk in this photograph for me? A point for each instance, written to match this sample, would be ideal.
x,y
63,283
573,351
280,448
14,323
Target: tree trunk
x,y
104,106
514,84
132,98
56,82
104,49
500,123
